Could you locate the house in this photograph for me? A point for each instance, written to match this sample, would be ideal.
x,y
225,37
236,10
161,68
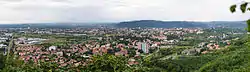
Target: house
x,y
59,53
193,51
132,62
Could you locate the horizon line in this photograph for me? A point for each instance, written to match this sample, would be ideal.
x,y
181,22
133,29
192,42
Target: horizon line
x,y
122,21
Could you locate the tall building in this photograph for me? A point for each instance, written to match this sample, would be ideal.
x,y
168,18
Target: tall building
x,y
145,47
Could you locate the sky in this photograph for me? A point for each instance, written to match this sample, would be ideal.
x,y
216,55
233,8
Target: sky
x,y
44,11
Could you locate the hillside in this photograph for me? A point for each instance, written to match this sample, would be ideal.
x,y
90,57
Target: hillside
x,y
235,58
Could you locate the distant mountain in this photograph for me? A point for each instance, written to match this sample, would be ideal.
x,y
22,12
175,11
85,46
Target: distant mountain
x,y
156,24
133,24
183,24
48,25
231,24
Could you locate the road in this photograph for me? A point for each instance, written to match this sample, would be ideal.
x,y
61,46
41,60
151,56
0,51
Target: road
x,y
10,47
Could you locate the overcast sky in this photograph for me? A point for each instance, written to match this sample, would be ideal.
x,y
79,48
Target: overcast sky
x,y
35,11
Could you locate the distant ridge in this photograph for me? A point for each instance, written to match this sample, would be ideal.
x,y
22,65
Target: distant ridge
x,y
183,24
133,24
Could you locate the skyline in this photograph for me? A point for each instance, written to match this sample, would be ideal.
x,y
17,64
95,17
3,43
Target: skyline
x,y
98,11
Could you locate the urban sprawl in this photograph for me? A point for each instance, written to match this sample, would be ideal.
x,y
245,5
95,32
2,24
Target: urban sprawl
x,y
75,47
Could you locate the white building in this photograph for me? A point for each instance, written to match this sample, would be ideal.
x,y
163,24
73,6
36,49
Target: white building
x,y
2,45
52,48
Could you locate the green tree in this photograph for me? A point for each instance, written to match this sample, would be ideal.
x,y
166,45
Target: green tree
x,y
108,63
243,8
2,57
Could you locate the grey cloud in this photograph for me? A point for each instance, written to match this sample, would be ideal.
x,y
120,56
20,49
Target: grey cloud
x,y
60,0
11,0
113,10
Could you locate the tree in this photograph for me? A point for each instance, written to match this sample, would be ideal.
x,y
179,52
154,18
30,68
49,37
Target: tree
x,y
2,57
243,8
131,52
109,63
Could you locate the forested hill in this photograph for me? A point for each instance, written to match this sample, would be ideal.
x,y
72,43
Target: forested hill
x,y
184,24
157,24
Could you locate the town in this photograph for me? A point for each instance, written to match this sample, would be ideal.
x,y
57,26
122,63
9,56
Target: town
x,y
75,47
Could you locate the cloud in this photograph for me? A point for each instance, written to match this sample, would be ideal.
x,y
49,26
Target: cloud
x,y
26,11
11,0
